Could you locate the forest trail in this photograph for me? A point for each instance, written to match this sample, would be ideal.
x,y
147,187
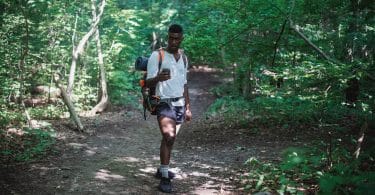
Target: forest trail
x,y
122,154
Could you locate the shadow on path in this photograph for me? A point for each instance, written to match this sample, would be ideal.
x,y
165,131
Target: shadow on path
x,y
122,156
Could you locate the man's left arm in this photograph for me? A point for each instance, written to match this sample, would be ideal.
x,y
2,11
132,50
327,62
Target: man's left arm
x,y
188,114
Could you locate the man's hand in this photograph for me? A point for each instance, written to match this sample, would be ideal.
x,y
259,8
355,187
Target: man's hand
x,y
163,76
188,115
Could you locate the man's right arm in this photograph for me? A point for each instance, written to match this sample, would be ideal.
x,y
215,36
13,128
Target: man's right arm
x,y
152,70
152,81
161,76
153,74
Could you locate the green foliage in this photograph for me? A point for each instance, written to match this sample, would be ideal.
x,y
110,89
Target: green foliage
x,y
286,111
303,168
279,81
124,88
247,32
25,145
37,42
48,112
347,182
9,117
45,30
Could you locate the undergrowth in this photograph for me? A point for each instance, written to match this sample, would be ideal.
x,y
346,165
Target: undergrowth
x,y
25,145
327,166
309,170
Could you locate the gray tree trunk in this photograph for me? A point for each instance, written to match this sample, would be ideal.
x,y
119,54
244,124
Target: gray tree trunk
x,y
80,49
68,103
102,105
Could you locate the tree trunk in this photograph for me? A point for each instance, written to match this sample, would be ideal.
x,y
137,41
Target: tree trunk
x,y
74,58
68,103
246,85
155,42
102,105
352,50
277,43
222,54
80,49
21,66
360,139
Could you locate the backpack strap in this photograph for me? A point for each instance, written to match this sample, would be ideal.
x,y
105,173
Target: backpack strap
x,y
184,58
161,57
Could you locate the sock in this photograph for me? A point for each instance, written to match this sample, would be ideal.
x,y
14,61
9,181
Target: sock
x,y
164,170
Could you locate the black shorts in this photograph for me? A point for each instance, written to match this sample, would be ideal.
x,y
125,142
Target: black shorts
x,y
177,113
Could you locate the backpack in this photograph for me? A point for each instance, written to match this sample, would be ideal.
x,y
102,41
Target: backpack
x,y
149,99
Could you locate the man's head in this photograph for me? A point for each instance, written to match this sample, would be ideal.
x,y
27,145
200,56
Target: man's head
x,y
175,37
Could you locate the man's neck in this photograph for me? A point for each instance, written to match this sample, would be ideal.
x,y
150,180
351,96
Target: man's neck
x,y
172,51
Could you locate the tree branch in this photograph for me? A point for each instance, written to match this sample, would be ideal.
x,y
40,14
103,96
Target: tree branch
x,y
102,105
80,48
277,42
296,29
249,27
360,139
68,103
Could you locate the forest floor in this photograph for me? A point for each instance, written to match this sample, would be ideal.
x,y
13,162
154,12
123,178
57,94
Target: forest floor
x,y
120,153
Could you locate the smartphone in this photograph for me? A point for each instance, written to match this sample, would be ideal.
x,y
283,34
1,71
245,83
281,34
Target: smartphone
x,y
167,70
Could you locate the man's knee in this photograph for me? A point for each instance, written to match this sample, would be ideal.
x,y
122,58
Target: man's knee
x,y
169,138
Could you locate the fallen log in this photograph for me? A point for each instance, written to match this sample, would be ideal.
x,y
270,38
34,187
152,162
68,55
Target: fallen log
x,y
52,92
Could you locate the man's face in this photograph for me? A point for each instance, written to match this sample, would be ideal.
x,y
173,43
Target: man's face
x,y
174,41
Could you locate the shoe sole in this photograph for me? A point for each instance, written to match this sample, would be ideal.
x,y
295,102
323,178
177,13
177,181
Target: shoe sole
x,y
171,175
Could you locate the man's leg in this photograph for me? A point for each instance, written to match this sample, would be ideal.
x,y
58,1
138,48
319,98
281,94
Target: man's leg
x,y
168,130
163,150
170,119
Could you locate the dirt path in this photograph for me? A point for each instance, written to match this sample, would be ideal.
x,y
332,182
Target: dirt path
x,y
122,156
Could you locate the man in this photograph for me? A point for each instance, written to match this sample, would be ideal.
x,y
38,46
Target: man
x,y
171,86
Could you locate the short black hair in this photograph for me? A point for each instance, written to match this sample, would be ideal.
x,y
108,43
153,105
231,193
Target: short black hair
x,y
175,28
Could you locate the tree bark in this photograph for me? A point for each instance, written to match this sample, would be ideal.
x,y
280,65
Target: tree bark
x,y
360,139
103,103
154,44
80,49
21,66
277,42
68,103
246,85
